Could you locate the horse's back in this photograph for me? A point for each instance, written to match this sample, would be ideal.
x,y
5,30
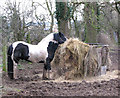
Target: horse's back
x,y
18,42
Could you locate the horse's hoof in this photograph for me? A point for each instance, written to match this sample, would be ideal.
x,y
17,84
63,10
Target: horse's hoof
x,y
11,78
51,79
15,78
45,78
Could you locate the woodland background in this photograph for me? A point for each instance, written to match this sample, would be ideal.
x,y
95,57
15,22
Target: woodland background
x,y
91,22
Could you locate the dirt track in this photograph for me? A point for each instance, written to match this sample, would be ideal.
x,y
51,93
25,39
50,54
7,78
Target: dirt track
x,y
30,83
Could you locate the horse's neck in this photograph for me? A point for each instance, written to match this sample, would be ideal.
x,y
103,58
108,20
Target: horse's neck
x,y
45,40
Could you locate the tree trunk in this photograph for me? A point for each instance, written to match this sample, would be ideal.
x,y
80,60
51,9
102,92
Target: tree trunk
x,y
77,33
4,51
62,18
52,23
118,31
63,27
16,25
91,22
4,58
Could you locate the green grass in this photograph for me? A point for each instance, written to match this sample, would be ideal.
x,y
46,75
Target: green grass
x,y
1,65
20,66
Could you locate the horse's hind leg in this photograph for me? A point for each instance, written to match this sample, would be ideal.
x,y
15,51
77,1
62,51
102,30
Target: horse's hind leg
x,y
16,58
44,77
16,71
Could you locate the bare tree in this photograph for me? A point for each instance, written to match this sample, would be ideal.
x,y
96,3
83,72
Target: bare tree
x,y
117,6
16,23
109,19
51,12
74,17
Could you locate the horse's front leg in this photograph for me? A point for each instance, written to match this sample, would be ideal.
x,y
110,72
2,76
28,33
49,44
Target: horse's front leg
x,y
46,73
44,77
46,69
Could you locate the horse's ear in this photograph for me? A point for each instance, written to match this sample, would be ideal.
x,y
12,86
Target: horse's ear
x,y
60,33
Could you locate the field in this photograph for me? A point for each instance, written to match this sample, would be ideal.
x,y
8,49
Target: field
x,y
30,83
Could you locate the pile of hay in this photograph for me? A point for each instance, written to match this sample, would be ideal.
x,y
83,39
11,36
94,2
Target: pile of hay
x,y
75,59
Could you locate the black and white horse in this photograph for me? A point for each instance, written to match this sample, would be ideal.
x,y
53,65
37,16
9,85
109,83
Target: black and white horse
x,y
42,52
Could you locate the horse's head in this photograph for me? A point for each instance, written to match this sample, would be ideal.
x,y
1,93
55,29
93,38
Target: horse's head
x,y
59,37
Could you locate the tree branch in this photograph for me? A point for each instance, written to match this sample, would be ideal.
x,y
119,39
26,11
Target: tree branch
x,y
117,3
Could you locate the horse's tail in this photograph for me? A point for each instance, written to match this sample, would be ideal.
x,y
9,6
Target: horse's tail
x,y
10,62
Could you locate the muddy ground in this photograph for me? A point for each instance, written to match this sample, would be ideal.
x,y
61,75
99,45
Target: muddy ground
x,y
30,83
